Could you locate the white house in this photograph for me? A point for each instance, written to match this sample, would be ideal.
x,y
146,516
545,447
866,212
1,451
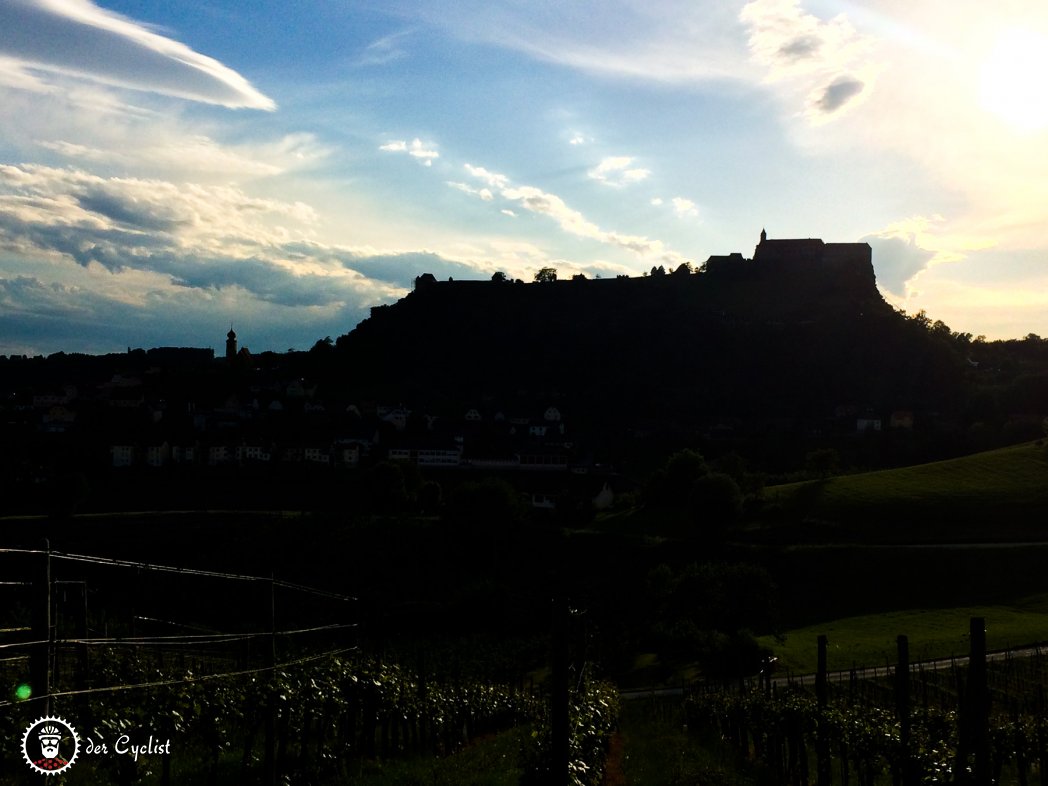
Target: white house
x,y
158,455
123,455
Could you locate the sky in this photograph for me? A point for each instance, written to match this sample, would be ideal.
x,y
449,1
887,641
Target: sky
x,y
171,169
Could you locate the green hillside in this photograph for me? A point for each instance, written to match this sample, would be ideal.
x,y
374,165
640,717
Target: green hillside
x,y
997,495
870,640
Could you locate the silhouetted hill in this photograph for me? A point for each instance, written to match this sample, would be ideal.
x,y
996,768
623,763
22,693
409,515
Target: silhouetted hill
x,y
785,335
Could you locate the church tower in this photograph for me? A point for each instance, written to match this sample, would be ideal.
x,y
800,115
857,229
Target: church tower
x,y
231,345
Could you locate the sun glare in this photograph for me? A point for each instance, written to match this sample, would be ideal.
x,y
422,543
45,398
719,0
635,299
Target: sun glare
x,y
1014,84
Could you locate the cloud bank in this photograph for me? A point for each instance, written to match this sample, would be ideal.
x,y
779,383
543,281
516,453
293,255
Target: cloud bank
x,y
137,244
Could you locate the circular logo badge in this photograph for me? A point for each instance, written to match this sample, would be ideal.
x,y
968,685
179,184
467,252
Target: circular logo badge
x,y
50,745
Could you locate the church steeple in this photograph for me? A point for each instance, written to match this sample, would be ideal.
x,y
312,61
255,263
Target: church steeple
x,y
231,344
764,235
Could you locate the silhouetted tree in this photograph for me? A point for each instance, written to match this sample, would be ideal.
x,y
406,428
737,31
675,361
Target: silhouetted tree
x,y
499,277
323,346
716,505
671,484
486,504
546,274
386,483
429,497
822,462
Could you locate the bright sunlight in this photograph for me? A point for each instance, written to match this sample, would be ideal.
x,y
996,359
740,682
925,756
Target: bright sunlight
x,y
1014,86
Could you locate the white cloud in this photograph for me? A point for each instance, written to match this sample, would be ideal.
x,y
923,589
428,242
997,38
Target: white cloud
x,y
828,62
416,149
493,179
616,171
905,249
538,201
78,38
685,208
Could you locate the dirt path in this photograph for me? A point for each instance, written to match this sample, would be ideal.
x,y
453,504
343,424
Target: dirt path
x,y
613,768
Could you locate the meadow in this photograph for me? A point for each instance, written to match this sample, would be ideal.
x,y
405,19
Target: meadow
x,y
992,496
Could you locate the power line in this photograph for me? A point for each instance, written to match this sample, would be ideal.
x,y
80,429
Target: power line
x,y
121,563
23,644
314,590
197,638
187,638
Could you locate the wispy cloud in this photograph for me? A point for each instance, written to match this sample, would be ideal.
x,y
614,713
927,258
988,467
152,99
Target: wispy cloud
x,y
674,41
617,171
78,38
570,221
200,153
385,50
466,188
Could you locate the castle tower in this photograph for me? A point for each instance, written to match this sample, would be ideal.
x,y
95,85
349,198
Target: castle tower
x,y
231,345
764,235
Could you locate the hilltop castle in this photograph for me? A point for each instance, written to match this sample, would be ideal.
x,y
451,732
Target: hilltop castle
x,y
809,251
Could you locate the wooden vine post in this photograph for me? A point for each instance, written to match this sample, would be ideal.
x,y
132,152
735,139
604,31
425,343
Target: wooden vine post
x,y
974,700
979,701
559,748
822,749
903,712
269,771
43,634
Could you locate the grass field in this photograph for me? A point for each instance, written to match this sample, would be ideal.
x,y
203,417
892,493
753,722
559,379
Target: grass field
x,y
932,633
1001,493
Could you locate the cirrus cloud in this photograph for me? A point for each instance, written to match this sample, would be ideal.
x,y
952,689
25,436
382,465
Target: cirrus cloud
x,y
78,38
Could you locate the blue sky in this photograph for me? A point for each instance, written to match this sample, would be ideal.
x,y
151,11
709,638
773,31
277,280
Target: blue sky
x,y
169,168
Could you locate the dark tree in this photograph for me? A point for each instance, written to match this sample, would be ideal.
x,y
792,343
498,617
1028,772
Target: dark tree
x,y
716,504
546,274
822,462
